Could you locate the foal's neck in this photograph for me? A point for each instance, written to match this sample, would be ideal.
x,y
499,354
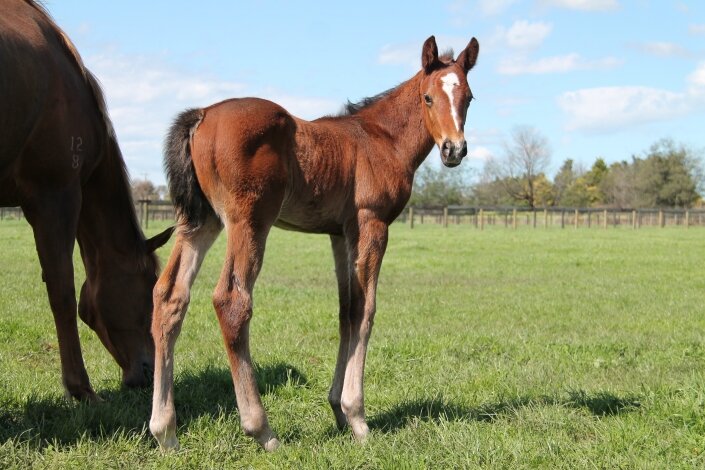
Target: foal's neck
x,y
400,116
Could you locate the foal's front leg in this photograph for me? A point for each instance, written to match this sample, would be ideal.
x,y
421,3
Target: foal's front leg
x,y
367,251
342,273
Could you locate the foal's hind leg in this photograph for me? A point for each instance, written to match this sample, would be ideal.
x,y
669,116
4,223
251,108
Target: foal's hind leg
x,y
232,300
342,272
171,299
54,221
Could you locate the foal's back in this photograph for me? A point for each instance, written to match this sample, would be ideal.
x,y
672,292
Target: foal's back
x,y
315,174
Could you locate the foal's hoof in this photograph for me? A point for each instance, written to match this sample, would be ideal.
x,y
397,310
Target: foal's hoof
x,y
165,436
361,432
168,443
267,440
271,445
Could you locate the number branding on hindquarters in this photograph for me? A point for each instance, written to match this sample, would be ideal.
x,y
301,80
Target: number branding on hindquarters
x,y
76,148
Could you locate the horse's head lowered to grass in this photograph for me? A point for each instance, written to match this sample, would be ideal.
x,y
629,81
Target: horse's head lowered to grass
x,y
116,302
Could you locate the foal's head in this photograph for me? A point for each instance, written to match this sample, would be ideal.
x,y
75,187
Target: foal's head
x,y
445,97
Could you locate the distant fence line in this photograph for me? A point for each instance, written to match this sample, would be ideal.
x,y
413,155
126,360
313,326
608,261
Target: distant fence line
x,y
509,217
481,217
563,217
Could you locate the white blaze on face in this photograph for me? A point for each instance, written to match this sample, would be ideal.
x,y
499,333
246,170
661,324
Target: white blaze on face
x,y
450,81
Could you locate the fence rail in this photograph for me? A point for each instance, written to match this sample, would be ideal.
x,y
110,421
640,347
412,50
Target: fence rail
x,y
481,217
563,217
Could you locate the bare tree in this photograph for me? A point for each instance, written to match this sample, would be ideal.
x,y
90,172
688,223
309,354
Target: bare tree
x,y
143,189
525,160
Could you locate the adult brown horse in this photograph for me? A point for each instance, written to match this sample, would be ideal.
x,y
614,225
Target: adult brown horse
x,y
248,164
60,161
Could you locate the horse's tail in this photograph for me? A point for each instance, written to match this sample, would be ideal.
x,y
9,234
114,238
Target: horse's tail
x,y
192,207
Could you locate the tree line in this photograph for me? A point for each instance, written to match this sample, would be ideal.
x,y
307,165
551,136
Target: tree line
x,y
668,174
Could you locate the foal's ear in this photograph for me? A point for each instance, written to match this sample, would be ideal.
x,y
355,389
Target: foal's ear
x,y
429,54
158,241
468,57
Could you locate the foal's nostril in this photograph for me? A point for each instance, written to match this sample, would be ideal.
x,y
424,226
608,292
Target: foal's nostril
x,y
464,150
447,148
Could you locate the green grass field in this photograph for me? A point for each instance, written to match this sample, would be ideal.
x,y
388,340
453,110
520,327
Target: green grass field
x,y
500,349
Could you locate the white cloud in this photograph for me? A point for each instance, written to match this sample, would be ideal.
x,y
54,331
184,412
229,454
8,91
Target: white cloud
x,y
525,35
404,54
696,29
144,95
663,49
494,7
479,152
555,64
464,13
696,82
584,5
610,109
142,80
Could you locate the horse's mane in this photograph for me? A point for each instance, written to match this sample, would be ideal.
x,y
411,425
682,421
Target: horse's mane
x,y
350,108
114,155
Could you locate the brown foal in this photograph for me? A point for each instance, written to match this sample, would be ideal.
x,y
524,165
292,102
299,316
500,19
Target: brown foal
x,y
248,165
60,161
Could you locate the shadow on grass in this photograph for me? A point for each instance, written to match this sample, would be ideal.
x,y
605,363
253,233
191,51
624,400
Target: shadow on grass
x,y
208,393
437,409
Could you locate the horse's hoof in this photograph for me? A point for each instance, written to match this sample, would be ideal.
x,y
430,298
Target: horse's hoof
x,y
84,396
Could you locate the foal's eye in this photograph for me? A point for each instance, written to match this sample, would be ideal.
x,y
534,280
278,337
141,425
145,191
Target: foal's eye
x,y
428,99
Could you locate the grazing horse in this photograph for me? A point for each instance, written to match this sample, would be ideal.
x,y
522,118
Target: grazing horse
x,y
249,165
60,161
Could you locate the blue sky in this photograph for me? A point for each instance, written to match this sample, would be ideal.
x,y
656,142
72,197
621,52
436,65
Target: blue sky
x,y
596,77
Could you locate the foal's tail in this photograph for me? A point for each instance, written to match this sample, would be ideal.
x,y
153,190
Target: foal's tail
x,y
192,207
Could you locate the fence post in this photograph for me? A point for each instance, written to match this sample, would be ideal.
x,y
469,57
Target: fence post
x,y
661,221
534,218
482,220
577,218
687,218
411,217
562,219
145,212
589,218
445,217
514,219
604,214
141,203
634,219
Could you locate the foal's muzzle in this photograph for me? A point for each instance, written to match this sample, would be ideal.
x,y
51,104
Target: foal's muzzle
x,y
452,153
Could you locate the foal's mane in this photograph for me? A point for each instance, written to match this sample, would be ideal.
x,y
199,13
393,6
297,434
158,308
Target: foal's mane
x,y
350,108
119,178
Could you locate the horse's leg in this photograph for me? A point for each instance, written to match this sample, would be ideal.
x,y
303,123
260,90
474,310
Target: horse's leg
x,y
171,299
232,300
342,272
54,221
367,250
